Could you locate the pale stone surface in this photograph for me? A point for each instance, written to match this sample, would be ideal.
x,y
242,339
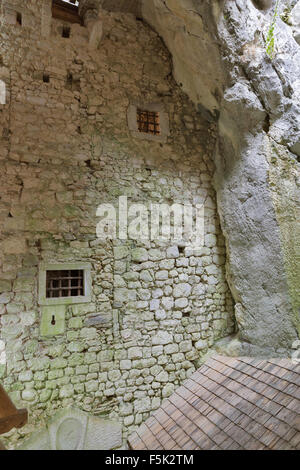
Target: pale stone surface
x,y
139,255
294,20
201,344
162,337
172,252
168,390
182,290
72,429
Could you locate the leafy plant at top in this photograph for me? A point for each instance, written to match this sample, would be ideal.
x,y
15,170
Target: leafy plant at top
x,y
285,16
270,41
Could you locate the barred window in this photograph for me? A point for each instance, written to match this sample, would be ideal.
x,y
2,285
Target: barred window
x,y
148,122
64,283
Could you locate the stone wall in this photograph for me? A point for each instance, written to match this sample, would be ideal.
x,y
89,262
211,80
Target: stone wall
x,y
65,149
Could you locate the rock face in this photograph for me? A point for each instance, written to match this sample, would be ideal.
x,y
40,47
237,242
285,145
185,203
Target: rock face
x,y
257,98
71,429
294,21
259,115
262,4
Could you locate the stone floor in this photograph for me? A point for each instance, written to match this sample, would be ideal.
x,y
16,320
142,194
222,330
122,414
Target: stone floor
x,y
229,403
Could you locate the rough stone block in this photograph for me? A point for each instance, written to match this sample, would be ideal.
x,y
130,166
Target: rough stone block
x,y
173,252
139,255
182,290
135,353
162,337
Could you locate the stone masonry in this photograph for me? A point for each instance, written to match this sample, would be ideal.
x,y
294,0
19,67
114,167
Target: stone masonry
x,y
66,148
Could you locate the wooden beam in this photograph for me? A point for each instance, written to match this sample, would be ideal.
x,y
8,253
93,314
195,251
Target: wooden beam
x,y
10,417
65,11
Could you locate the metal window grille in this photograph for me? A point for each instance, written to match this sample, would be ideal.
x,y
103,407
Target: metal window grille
x,y
148,122
65,283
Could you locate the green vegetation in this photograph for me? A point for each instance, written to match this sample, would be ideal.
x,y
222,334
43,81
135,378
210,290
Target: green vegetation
x,y
270,41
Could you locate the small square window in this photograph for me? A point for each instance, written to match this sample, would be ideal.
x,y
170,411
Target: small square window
x,y
64,283
19,18
66,31
148,122
46,78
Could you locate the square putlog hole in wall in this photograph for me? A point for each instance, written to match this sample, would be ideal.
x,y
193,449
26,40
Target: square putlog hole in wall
x,y
66,32
19,18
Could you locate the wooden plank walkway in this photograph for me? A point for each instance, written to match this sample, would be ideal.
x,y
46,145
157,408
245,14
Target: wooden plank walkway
x,y
10,416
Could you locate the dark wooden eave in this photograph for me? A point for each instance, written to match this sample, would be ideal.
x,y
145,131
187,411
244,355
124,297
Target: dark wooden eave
x,y
241,403
65,11
10,416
